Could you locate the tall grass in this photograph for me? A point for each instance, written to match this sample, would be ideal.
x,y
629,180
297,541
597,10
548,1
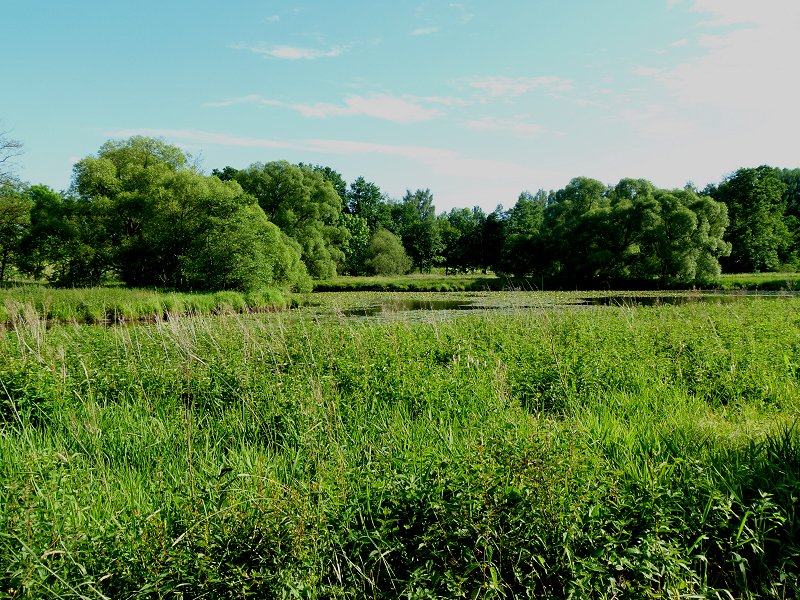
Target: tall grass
x,y
115,305
606,453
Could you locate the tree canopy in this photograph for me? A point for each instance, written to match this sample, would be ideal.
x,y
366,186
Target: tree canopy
x,y
143,212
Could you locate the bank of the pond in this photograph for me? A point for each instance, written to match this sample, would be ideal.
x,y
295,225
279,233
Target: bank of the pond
x,y
109,305
476,282
613,452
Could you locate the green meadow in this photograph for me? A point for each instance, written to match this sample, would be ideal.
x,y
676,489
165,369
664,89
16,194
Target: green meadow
x,y
537,447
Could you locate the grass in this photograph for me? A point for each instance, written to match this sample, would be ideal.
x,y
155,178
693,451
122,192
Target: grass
x,y
438,282
610,452
117,304
760,281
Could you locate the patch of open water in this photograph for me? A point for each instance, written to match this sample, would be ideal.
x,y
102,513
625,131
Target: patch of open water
x,y
401,305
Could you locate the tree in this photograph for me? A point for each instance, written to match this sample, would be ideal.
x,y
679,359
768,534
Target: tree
x,y
757,231
686,241
572,223
461,235
334,177
522,249
356,250
305,206
15,213
67,240
226,174
244,251
9,150
167,224
387,255
364,200
418,230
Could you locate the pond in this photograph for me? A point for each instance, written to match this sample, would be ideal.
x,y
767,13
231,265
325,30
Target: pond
x,y
397,305
381,306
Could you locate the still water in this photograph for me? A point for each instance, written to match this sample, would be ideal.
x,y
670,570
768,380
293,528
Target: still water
x,y
393,306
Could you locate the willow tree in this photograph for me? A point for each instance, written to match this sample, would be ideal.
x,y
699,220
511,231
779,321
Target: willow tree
x,y
170,225
305,206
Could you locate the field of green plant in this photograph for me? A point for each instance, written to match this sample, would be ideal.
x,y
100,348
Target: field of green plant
x,y
439,282
118,304
760,281
543,451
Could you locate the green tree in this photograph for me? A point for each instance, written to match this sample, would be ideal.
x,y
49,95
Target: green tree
x,y
573,224
387,255
364,199
356,250
131,180
305,206
522,250
686,242
334,177
226,174
419,229
67,241
242,250
461,235
167,224
15,214
757,232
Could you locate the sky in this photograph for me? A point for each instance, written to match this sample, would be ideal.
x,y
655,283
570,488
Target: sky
x,y
476,100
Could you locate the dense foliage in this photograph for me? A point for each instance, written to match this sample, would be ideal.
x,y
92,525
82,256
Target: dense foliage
x,y
274,456
142,212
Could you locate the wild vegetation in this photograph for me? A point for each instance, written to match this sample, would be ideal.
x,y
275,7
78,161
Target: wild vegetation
x,y
605,452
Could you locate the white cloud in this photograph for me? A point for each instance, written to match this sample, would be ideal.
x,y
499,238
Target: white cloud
x,y
466,16
657,121
425,31
291,52
249,99
441,161
195,136
735,100
273,19
511,87
448,101
517,125
379,106
679,43
747,70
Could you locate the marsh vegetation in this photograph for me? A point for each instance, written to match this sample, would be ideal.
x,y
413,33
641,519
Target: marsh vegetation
x,y
542,450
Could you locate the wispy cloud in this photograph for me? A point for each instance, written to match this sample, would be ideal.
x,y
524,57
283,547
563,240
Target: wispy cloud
x,y
679,43
291,52
466,15
425,31
442,161
518,125
657,121
249,99
737,79
743,69
448,101
273,19
194,136
378,106
512,87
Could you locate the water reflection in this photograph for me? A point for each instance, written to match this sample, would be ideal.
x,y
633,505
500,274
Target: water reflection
x,y
393,306
404,305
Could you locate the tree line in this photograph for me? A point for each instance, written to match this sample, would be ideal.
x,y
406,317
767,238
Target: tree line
x,y
140,211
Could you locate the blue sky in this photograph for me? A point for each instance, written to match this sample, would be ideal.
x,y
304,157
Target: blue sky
x,y
476,100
